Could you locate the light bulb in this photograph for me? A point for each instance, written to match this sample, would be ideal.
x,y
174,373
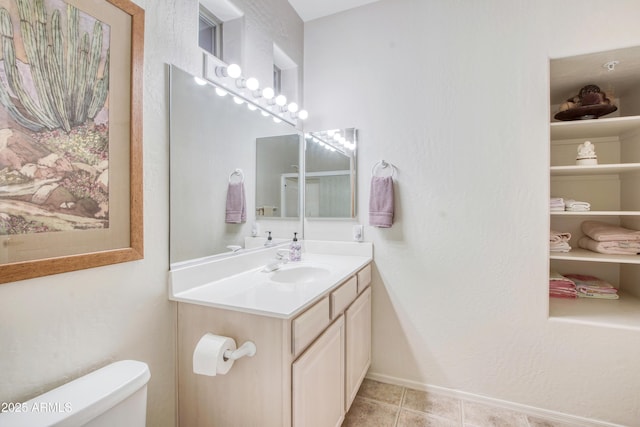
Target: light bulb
x,y
264,113
303,115
237,100
234,71
293,107
268,93
252,83
221,92
276,120
251,106
199,81
281,100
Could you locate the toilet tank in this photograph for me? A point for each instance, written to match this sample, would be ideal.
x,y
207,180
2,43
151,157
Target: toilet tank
x,y
115,395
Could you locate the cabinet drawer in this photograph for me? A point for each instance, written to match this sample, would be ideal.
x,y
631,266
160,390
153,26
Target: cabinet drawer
x,y
309,324
364,278
343,296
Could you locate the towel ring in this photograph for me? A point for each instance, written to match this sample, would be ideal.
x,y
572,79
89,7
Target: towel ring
x,y
383,164
237,172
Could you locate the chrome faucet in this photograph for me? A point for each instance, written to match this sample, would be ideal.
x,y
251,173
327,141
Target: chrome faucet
x,y
282,257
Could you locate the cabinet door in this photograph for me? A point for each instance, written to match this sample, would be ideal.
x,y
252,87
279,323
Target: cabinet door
x,y
318,381
358,343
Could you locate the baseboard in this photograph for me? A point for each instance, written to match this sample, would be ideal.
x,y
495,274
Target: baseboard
x,y
529,410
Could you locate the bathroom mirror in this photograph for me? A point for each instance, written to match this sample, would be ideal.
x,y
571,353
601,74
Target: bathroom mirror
x,y
330,173
277,170
210,137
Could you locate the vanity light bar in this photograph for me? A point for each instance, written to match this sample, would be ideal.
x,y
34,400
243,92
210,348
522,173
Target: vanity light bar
x,y
319,139
228,79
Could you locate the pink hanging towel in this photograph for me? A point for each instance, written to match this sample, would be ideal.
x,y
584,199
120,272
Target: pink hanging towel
x,y
236,205
381,202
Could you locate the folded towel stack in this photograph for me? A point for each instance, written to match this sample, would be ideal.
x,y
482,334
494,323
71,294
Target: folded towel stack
x,y
556,204
560,286
576,206
609,239
560,204
559,241
592,287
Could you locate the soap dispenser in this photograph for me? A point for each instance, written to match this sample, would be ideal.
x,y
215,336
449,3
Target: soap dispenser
x,y
295,249
269,241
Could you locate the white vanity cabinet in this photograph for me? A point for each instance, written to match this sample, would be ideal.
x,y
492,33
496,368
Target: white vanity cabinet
x,y
318,380
358,344
304,374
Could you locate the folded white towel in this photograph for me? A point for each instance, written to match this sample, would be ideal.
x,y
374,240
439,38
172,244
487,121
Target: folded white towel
x,y
576,205
559,236
603,232
559,241
610,247
556,204
559,247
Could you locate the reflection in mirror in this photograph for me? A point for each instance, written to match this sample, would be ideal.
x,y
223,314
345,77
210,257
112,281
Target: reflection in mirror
x,y
330,173
211,137
277,170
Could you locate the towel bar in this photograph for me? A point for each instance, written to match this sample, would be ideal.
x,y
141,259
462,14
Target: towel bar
x,y
237,172
384,165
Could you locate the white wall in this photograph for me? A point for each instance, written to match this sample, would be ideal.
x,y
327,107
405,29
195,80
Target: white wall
x,y
54,329
455,94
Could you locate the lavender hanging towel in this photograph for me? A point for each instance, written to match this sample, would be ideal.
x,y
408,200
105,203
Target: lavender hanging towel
x,y
236,204
381,202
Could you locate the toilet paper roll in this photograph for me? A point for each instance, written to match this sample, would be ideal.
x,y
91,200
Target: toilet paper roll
x,y
208,357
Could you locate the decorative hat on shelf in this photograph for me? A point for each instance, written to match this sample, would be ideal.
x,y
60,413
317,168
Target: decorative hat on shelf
x,y
586,154
590,103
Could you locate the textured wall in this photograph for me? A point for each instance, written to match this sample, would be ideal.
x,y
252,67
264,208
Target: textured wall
x,y
54,329
455,94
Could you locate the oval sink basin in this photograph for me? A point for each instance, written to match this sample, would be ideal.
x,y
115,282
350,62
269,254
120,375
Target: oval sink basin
x,y
299,274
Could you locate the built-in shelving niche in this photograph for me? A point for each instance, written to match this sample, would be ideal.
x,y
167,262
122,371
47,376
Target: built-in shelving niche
x,y
612,187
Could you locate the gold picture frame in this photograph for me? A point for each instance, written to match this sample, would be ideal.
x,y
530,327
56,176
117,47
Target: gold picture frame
x,y
91,232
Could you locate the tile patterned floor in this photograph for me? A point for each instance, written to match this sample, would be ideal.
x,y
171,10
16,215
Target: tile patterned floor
x,y
385,405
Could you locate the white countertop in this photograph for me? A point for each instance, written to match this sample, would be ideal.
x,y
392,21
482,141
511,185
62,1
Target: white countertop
x,y
250,290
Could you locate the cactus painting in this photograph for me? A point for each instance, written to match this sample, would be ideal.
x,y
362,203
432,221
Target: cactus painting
x,y
54,128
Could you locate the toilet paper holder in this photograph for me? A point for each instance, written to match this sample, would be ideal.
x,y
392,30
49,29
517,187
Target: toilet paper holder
x,y
246,349
216,354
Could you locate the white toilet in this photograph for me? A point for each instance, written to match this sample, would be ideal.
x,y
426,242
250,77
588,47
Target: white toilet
x,y
115,395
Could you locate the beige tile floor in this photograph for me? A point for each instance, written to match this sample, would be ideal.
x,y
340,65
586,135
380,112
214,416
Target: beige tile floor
x,y
385,405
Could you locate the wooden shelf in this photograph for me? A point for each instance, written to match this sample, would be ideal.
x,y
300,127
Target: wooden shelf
x,y
606,169
578,254
596,213
621,313
595,128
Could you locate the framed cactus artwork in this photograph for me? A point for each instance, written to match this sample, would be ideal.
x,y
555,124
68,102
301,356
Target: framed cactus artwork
x,y
70,135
